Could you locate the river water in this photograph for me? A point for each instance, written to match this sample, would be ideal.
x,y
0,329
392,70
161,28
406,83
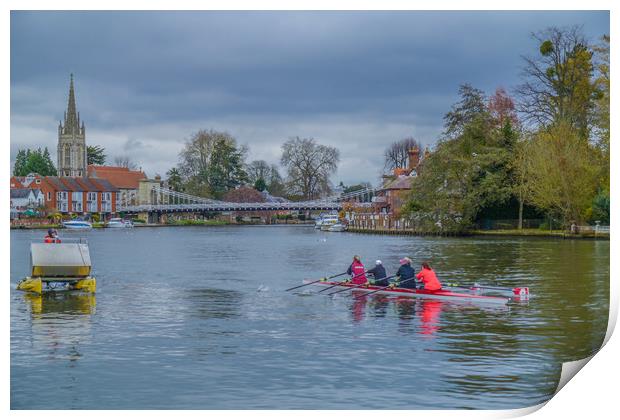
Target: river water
x,y
197,318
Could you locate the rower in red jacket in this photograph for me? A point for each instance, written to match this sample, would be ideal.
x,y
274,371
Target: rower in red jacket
x,y
51,237
429,278
357,271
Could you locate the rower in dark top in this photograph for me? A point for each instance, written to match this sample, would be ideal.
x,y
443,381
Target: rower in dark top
x,y
379,275
406,275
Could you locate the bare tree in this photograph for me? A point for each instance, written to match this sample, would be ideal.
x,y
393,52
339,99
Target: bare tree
x,y
258,169
557,83
125,162
397,154
309,166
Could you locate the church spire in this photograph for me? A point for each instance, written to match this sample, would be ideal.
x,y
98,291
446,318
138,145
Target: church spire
x,y
71,120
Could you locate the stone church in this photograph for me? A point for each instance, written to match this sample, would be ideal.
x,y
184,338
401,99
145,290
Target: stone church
x,y
72,158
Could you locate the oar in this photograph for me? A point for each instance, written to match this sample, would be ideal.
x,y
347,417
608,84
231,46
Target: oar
x,y
359,286
342,282
383,288
316,281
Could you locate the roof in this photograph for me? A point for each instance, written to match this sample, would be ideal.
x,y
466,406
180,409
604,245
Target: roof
x,y
20,192
71,183
55,183
118,176
67,183
87,184
402,182
104,184
16,182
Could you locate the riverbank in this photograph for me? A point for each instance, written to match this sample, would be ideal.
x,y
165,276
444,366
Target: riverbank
x,y
499,232
173,224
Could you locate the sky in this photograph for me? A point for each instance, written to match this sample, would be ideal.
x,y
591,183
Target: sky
x,y
358,81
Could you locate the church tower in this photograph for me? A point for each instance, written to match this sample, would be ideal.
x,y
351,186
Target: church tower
x,y
71,141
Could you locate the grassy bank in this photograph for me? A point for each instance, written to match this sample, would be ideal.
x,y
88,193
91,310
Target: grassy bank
x,y
498,232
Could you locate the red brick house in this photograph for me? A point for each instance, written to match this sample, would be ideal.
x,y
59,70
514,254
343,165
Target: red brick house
x,y
393,193
127,181
78,195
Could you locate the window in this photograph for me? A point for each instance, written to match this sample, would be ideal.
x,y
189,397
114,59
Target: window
x,y
67,155
76,201
91,204
37,181
49,196
61,196
106,204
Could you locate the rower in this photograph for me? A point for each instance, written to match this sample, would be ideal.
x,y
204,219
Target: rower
x,y
379,275
357,271
429,278
405,275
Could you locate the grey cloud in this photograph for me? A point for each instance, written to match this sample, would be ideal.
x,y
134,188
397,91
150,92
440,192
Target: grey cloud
x,y
263,76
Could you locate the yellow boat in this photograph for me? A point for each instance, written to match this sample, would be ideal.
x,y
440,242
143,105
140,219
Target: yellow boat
x,y
59,266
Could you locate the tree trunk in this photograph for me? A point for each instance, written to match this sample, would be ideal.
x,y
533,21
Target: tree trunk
x,y
520,214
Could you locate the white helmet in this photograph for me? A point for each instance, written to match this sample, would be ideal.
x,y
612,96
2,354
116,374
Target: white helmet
x,y
378,262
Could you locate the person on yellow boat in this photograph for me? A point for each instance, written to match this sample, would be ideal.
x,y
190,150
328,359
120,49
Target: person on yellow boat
x,y
51,237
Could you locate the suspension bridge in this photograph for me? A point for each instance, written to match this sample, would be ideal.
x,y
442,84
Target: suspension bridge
x,y
164,200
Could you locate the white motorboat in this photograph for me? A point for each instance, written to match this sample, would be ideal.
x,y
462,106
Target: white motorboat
x,y
337,227
76,224
117,222
329,221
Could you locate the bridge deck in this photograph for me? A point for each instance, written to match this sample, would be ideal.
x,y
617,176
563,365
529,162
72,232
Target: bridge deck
x,y
224,206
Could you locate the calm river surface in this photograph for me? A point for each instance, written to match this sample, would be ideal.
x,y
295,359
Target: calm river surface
x,y
197,318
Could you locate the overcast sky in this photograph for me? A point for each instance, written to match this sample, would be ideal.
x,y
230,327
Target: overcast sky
x,y
146,81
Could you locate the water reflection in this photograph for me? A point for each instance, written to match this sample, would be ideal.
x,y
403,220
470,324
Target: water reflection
x,y
405,310
430,311
358,305
378,305
61,303
61,323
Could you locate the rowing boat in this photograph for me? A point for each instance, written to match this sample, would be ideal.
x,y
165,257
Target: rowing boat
x,y
443,294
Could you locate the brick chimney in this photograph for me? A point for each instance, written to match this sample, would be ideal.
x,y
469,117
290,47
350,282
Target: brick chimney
x,y
414,158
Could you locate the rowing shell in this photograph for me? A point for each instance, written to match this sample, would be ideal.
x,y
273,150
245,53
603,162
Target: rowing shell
x,y
420,293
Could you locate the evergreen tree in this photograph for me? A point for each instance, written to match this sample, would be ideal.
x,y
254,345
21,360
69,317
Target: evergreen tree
x,y
19,168
95,155
34,161
174,179
260,185
50,168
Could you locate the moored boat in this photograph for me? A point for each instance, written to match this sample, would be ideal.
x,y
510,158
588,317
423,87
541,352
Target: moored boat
x,y
329,221
443,294
117,222
77,224
337,227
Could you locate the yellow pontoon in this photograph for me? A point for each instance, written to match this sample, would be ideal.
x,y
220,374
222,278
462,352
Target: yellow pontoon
x,y
59,266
